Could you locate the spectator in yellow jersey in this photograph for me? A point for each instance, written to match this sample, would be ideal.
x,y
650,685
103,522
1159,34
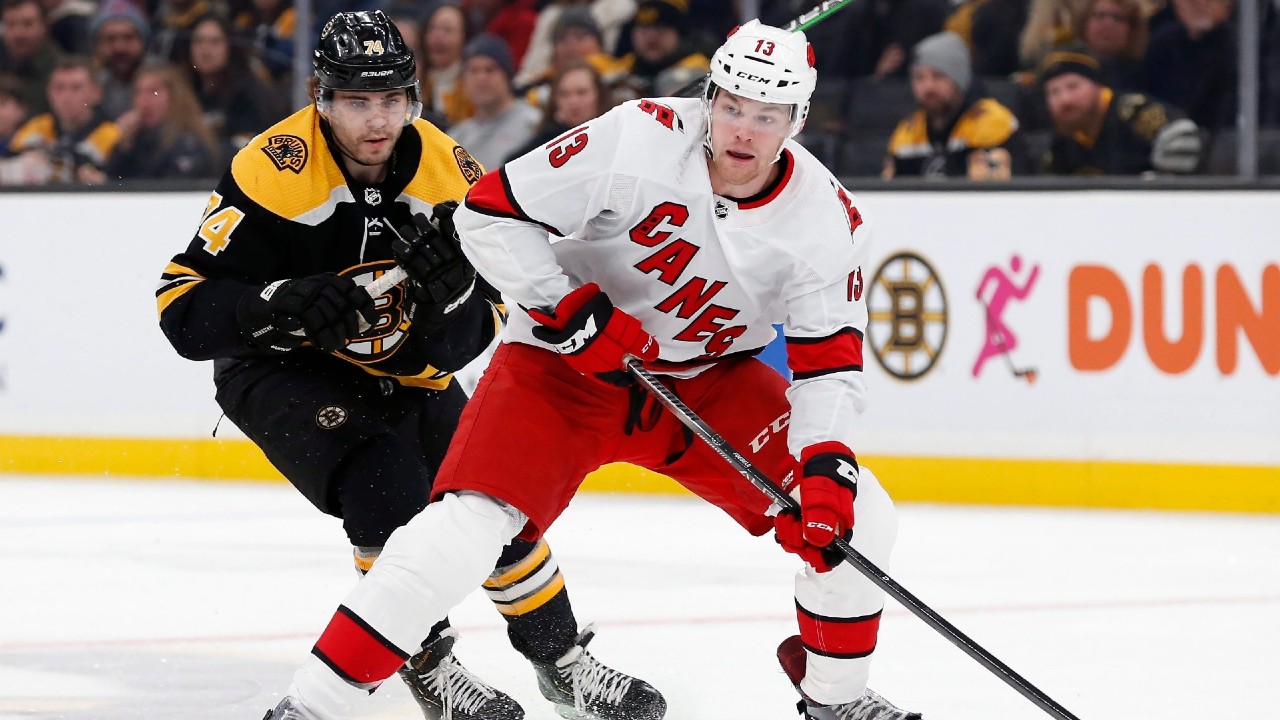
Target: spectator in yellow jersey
x,y
74,137
954,131
1098,131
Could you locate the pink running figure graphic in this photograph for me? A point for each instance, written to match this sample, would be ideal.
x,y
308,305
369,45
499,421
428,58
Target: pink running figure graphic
x,y
1000,339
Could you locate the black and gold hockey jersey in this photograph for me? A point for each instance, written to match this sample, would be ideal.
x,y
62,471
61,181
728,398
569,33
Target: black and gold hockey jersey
x,y
1123,146
982,143
288,209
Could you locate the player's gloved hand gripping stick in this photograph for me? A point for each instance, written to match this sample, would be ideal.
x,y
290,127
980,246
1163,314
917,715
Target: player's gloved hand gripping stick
x,y
785,503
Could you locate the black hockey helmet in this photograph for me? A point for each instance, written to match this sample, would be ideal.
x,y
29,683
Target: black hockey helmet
x,y
364,52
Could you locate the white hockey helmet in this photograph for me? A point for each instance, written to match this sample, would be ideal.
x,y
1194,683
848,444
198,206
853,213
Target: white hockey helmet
x,y
765,63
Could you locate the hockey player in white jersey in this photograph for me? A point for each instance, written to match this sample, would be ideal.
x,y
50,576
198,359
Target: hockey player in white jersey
x,y
684,230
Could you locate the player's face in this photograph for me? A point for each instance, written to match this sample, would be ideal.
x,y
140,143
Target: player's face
x,y
746,136
368,124
1072,101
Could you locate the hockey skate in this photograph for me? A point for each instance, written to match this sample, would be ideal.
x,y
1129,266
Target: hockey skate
x,y
584,689
289,709
445,690
870,706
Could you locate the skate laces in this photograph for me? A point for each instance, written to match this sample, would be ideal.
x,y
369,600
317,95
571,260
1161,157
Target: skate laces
x,y
457,687
588,677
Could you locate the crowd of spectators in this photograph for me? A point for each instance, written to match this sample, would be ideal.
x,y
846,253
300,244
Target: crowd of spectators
x,y
97,90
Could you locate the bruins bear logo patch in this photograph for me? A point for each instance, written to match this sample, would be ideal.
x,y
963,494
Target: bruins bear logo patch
x,y
471,170
287,152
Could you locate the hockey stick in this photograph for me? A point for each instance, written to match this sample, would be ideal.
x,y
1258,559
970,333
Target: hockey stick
x,y
863,565
804,22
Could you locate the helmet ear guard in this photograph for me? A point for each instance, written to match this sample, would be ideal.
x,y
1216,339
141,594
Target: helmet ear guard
x,y
364,52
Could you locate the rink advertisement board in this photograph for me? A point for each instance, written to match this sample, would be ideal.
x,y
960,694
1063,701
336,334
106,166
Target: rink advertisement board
x,y
1071,348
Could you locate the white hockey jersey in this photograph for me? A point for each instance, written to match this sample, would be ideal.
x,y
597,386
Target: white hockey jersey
x,y
625,201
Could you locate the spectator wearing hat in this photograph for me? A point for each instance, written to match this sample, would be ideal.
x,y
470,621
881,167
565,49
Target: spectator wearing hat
x,y
74,136
26,50
119,33
608,17
954,130
1097,131
500,122
662,59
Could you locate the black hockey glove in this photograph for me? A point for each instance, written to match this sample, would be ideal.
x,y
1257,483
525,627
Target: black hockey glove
x,y
321,309
440,276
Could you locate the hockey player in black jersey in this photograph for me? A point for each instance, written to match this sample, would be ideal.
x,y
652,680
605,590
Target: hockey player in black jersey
x,y
352,398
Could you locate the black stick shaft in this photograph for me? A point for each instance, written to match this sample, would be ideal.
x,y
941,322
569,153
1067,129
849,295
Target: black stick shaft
x,y
882,580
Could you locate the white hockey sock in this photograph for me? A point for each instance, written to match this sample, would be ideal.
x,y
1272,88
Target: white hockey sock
x,y
323,693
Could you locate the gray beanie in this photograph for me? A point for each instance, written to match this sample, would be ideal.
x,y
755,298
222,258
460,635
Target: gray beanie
x,y
947,53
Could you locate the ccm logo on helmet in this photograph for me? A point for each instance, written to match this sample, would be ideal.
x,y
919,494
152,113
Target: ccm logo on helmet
x,y
749,76
376,73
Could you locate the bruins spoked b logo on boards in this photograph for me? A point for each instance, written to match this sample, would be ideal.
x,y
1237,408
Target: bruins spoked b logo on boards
x,y
907,316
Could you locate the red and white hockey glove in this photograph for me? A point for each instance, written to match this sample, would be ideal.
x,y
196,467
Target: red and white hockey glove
x,y
827,480
594,336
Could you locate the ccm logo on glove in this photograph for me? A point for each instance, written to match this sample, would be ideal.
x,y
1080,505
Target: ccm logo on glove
x,y
826,479
593,336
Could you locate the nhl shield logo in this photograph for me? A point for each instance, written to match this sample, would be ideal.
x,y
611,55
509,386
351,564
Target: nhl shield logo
x,y
331,417
287,152
722,210
372,196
